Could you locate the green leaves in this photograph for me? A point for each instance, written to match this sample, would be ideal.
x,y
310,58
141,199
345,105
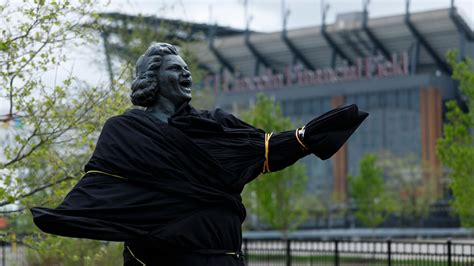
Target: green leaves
x,y
368,190
54,250
456,148
61,122
275,198
4,45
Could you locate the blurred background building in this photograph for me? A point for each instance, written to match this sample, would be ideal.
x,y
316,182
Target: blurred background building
x,y
393,67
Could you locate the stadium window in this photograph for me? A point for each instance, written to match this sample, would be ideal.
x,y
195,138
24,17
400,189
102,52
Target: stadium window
x,y
315,106
403,99
306,106
365,99
382,99
404,122
396,98
377,128
350,99
391,99
364,140
415,121
297,107
284,108
410,101
415,98
325,104
373,103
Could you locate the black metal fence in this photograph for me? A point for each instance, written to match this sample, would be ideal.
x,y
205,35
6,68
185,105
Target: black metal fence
x,y
357,253
12,254
294,252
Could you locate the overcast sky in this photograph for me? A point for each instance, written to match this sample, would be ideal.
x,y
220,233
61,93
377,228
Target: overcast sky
x,y
267,13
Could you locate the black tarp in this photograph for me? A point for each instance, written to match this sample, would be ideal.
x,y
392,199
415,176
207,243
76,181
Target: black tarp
x,y
183,178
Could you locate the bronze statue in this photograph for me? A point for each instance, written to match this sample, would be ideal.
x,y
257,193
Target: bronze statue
x,y
167,180
163,81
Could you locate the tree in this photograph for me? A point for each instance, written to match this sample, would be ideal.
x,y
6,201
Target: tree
x,y
275,197
60,122
456,147
413,183
74,252
368,191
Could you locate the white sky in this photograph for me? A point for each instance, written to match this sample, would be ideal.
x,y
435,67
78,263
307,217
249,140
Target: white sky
x,y
89,62
267,13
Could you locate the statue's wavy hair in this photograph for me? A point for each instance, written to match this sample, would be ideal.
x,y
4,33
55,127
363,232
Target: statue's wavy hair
x,y
145,86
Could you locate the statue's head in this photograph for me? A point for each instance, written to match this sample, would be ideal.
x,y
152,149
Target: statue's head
x,y
161,72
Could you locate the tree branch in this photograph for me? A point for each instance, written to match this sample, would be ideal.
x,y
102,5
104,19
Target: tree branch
x,y
38,189
13,211
56,133
30,28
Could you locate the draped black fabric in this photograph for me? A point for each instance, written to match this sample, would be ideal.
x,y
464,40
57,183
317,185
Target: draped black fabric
x,y
326,134
182,181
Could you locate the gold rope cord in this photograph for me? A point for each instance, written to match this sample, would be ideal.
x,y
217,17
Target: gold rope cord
x,y
298,138
104,173
266,165
135,257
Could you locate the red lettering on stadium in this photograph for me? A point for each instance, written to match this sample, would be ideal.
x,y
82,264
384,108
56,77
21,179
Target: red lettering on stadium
x,y
365,68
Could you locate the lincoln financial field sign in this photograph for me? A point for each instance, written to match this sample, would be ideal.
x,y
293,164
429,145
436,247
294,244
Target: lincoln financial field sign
x,y
364,68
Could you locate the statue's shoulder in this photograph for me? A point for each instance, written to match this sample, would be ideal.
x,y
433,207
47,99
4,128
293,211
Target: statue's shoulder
x,y
128,116
227,119
222,112
214,114
113,122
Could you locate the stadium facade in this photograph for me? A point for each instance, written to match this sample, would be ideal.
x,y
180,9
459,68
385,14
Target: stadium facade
x,y
393,67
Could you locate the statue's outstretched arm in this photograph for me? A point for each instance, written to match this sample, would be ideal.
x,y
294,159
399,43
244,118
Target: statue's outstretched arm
x,y
322,136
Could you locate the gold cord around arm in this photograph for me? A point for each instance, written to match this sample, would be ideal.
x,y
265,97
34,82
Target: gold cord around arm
x,y
104,173
266,165
297,135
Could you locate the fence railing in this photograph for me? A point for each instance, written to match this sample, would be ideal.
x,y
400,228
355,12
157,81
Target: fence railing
x,y
294,252
12,254
357,253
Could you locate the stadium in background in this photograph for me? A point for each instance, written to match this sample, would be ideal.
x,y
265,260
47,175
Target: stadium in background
x,y
393,67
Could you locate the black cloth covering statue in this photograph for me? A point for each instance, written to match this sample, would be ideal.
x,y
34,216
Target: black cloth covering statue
x,y
167,180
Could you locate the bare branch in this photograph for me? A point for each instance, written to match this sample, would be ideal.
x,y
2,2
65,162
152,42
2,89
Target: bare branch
x,y
38,189
13,211
18,157
28,31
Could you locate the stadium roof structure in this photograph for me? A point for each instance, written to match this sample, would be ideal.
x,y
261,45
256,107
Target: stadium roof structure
x,y
188,31
116,29
428,35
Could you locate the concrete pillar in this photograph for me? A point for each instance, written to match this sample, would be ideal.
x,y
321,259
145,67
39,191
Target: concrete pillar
x,y
431,122
339,163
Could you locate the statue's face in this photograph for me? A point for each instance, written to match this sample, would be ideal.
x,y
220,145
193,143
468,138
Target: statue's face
x,y
175,80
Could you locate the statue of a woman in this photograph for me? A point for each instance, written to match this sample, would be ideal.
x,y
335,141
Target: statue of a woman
x,y
167,180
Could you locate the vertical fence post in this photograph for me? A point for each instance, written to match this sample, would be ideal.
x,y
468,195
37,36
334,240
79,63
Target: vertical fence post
x,y
389,252
246,251
336,253
3,253
449,253
288,252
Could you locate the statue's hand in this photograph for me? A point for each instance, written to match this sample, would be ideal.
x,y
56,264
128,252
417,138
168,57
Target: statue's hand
x,y
324,135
